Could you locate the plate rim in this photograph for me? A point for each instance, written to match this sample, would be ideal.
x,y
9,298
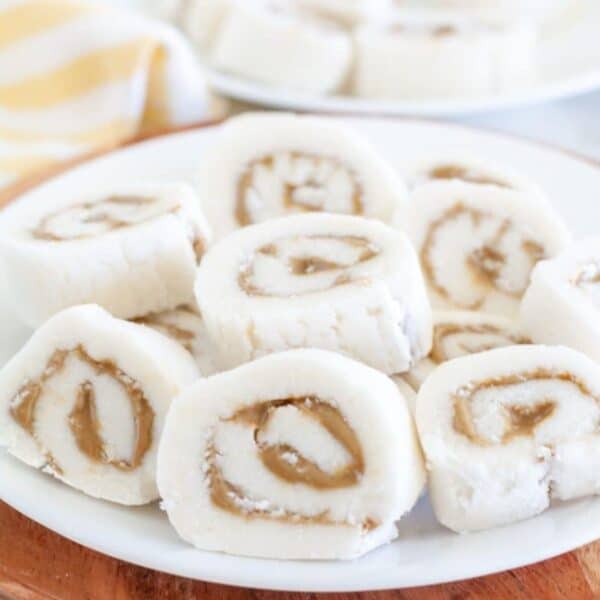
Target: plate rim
x,y
27,184
253,582
240,89
543,90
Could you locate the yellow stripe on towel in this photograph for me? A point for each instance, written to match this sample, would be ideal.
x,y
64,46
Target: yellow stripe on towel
x,y
119,129
82,75
156,113
21,165
28,19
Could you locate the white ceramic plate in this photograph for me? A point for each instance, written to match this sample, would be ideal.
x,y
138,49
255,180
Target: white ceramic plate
x,y
569,65
425,553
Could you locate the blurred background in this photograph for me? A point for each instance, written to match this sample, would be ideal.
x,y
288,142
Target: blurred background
x,y
77,75
563,110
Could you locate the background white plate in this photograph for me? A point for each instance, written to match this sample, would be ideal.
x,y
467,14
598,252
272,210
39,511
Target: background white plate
x,y
425,552
569,65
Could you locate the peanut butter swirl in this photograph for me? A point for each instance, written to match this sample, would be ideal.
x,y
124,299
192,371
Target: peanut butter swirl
x,y
291,182
90,219
308,263
450,171
287,463
588,274
83,420
426,29
519,419
165,323
486,261
470,338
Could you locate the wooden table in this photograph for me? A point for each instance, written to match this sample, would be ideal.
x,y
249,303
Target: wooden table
x,y
37,564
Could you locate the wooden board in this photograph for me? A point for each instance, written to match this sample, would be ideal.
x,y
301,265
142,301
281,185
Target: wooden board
x,y
37,564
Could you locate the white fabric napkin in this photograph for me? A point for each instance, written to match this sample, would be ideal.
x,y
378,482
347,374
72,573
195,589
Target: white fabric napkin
x,y
76,76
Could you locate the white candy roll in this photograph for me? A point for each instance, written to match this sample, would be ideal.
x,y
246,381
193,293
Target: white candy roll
x,y
347,12
562,304
458,333
272,165
86,398
506,431
202,21
408,393
468,170
185,325
278,459
132,249
505,11
335,282
282,47
415,56
478,244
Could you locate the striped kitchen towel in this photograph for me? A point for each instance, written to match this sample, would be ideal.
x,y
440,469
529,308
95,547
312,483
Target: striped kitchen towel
x,y
76,76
